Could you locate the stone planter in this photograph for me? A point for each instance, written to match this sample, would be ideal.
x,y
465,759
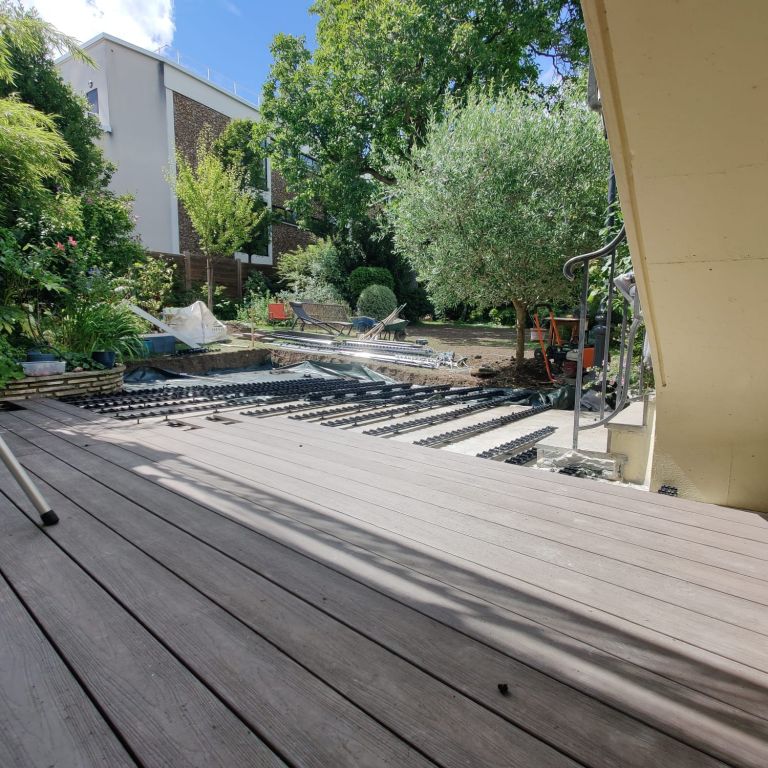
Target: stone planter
x,y
58,385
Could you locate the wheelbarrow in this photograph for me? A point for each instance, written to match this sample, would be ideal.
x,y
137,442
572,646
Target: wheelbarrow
x,y
395,329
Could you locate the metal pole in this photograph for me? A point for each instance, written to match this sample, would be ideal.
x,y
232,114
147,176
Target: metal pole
x,y
47,515
580,362
606,353
624,310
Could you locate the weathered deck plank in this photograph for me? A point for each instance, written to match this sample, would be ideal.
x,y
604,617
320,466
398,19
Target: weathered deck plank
x,y
532,535
45,716
669,622
162,712
474,665
282,515
677,518
223,647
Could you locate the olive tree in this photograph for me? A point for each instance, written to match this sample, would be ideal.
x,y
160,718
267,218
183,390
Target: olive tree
x,y
503,190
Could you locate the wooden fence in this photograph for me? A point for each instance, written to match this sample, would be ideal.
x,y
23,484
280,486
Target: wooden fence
x,y
191,271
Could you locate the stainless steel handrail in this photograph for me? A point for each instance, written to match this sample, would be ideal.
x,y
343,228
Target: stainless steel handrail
x,y
606,250
626,346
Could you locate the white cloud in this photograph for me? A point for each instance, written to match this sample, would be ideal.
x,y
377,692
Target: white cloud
x,y
232,8
148,23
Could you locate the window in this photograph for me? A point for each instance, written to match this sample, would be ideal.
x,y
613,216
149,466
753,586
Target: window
x,y
285,215
310,162
92,97
258,170
259,246
259,176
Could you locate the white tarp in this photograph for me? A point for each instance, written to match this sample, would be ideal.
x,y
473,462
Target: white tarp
x,y
196,322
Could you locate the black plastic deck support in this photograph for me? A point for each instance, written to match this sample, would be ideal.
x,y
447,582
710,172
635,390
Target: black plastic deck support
x,y
427,421
429,404
513,446
522,458
456,435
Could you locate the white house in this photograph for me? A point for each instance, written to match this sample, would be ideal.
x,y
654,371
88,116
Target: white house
x,y
149,106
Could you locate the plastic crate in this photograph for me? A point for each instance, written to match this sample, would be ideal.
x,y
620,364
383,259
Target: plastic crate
x,y
44,368
159,343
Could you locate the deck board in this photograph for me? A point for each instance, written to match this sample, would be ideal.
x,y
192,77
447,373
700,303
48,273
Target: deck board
x,y
403,516
531,534
396,580
45,716
688,519
162,712
299,715
473,664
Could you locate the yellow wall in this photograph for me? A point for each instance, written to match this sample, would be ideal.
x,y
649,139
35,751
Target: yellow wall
x,y
684,86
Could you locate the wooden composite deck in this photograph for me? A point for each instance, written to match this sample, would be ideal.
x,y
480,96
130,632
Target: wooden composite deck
x,y
268,593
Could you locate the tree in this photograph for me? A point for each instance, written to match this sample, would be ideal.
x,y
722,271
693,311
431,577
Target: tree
x,y
34,157
381,69
217,202
36,82
502,192
240,149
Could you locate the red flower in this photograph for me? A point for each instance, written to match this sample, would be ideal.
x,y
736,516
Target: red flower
x,y
59,246
71,240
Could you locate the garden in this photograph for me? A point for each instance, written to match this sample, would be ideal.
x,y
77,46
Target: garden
x,y
456,186
69,256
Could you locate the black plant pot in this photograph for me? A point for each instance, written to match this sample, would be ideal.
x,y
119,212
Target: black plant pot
x,y
105,357
36,356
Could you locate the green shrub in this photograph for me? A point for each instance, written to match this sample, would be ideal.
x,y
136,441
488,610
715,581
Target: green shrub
x,y
92,327
417,303
149,284
9,366
503,316
362,277
313,273
257,283
254,309
224,308
376,301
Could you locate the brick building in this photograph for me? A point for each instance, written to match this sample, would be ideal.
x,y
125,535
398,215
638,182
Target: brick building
x,y
150,106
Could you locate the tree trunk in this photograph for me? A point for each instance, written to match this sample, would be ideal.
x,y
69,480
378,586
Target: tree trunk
x,y
209,279
521,311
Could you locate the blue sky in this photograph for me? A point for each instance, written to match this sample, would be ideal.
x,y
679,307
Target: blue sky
x,y
227,38
233,36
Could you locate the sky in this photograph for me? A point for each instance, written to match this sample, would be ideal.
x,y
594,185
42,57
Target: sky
x,y
230,38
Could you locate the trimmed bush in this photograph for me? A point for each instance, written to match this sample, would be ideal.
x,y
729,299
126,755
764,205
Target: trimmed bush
x,y
376,301
362,277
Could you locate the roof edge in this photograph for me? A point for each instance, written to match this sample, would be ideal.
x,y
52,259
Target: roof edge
x,y
152,55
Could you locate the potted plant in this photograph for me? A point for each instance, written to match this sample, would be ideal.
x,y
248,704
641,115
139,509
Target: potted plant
x,y
103,330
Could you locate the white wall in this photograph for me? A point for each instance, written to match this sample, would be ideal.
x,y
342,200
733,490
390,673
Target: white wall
x,y
136,111
683,87
133,96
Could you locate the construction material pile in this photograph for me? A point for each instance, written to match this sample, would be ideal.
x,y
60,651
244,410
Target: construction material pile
x,y
396,352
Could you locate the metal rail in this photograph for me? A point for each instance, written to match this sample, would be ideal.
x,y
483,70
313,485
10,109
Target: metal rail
x,y
627,334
